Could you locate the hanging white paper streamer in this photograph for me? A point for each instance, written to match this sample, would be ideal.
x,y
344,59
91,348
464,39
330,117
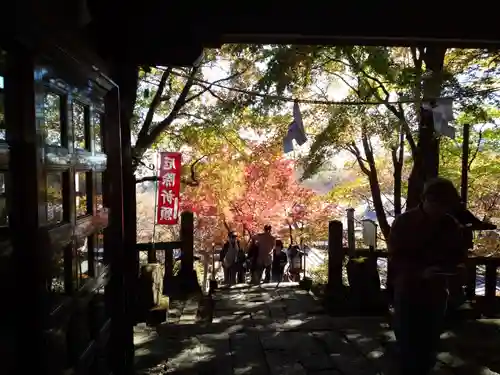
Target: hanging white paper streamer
x,y
442,114
295,131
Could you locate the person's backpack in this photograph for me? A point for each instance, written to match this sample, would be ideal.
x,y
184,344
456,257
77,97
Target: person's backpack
x,y
253,251
295,258
241,254
282,259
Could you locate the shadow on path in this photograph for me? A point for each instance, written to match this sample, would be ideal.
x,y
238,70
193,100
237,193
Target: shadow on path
x,y
266,330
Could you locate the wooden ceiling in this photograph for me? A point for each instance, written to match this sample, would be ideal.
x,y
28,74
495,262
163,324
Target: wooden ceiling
x,y
160,32
178,32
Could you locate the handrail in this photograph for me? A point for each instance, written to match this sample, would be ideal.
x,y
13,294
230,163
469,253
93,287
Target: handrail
x,y
475,259
147,246
87,290
491,264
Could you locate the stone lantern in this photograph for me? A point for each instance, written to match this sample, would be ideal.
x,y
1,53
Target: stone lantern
x,y
370,233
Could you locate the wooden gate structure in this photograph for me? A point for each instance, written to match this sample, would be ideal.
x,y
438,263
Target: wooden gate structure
x,y
68,281
59,168
67,285
365,288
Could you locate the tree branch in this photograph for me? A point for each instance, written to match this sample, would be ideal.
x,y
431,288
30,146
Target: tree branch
x,y
210,86
398,112
357,153
469,165
144,142
226,225
147,178
192,182
407,131
154,103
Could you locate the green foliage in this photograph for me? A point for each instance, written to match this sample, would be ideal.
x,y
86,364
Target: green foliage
x,y
211,120
319,274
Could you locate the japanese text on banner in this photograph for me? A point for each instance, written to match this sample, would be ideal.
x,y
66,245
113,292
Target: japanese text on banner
x,y
169,183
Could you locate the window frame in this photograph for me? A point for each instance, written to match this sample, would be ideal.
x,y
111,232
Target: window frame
x,y
70,159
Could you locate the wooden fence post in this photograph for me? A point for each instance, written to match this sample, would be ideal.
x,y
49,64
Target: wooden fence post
x,y
206,261
351,238
335,256
188,277
187,242
169,270
490,278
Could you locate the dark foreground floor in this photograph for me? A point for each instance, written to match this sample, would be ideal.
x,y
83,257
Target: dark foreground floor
x,y
266,330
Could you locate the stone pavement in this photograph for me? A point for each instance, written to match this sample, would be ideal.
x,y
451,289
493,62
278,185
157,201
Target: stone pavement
x,y
265,330
260,330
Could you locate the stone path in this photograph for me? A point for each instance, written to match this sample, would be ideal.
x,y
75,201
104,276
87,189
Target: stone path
x,y
260,330
266,330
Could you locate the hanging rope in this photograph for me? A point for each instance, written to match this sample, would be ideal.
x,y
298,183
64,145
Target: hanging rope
x,y
315,101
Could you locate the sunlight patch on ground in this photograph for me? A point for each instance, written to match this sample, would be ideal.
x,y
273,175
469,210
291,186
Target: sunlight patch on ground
x,y
190,357
450,359
141,340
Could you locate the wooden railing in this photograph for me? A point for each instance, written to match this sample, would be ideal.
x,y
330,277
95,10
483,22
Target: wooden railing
x,y
485,268
161,251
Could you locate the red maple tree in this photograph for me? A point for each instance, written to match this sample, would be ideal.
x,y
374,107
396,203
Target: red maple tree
x,y
267,192
272,195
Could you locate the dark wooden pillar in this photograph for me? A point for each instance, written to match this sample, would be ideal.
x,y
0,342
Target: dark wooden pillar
x,y
125,75
470,287
121,349
490,289
351,236
336,255
187,242
169,264
188,277
30,299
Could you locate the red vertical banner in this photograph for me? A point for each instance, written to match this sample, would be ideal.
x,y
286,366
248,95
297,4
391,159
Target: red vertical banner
x,y
169,188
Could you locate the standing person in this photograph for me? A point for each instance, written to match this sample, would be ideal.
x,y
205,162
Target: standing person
x,y
264,243
279,262
230,256
426,249
222,255
267,273
240,264
253,250
294,262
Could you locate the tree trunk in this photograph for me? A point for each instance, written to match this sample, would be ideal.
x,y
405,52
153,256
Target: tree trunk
x,y
148,138
426,158
397,190
290,233
397,162
375,187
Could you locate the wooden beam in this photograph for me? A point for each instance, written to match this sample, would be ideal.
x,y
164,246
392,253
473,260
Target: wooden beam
x,y
125,76
336,255
121,349
29,249
187,242
147,246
